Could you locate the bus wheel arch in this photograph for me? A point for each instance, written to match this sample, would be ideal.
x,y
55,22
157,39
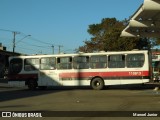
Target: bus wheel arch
x,y
32,84
97,83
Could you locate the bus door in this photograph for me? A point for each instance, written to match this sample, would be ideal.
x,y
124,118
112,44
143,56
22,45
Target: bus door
x,y
48,75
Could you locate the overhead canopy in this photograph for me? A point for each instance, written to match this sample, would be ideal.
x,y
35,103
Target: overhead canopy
x,y
145,22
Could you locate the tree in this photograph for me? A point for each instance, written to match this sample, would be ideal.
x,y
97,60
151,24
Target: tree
x,y
106,37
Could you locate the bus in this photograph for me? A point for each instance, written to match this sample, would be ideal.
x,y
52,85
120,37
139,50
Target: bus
x,y
81,69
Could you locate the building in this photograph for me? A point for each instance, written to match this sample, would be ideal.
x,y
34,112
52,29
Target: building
x,y
4,55
145,22
2,47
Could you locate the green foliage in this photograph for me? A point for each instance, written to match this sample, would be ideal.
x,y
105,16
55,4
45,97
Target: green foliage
x,y
106,37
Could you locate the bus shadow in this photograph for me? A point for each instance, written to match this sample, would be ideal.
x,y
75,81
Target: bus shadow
x,y
12,94
133,87
9,93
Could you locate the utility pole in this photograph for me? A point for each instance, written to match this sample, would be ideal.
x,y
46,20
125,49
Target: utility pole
x,y
14,37
59,50
52,48
14,40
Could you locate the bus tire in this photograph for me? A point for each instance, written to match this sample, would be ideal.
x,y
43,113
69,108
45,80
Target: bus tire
x,y
32,84
97,83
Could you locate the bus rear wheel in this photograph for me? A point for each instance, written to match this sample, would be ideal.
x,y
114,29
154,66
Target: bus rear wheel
x,y
97,83
32,84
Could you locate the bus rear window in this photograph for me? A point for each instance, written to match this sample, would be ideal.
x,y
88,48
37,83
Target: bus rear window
x,y
15,66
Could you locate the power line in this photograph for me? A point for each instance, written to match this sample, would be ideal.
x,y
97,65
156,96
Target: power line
x,y
28,49
33,39
9,30
14,37
35,45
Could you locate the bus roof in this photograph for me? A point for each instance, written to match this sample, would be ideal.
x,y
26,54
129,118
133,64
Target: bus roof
x,y
82,54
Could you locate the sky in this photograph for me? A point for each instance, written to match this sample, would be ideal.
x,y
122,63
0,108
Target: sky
x,y
42,24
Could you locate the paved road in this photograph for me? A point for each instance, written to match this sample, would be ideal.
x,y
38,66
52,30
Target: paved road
x,y
117,98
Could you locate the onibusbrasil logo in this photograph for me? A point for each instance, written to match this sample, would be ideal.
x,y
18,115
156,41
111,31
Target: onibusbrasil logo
x,y
21,114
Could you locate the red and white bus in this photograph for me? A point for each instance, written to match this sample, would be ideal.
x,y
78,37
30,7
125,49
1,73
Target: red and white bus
x,y
82,69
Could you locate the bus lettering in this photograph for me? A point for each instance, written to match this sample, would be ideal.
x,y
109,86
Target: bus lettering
x,y
135,73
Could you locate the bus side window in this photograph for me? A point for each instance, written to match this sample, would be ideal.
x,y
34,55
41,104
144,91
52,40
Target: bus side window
x,y
135,60
48,63
98,61
31,64
64,63
81,62
116,61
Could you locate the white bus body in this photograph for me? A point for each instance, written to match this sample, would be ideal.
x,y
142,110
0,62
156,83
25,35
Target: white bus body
x,y
92,69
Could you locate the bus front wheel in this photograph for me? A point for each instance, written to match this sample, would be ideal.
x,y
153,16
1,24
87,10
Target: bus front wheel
x,y
97,83
32,84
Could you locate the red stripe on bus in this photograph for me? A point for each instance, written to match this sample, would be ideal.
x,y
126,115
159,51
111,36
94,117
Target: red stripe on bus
x,y
104,74
23,76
